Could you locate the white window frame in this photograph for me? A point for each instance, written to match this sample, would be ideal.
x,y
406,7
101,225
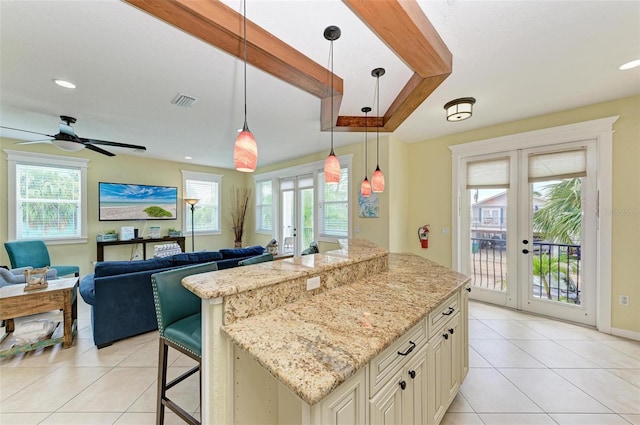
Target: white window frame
x,y
22,157
202,177
309,168
260,205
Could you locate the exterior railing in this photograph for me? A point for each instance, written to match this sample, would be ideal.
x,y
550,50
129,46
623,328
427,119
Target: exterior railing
x,y
556,268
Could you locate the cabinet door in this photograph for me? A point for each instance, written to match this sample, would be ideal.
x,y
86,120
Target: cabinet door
x,y
437,362
386,407
346,405
414,399
464,325
454,352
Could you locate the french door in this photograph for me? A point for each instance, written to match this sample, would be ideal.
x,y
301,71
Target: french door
x,y
528,236
296,213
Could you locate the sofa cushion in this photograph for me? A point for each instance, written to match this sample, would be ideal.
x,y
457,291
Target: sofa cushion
x,y
111,268
187,258
242,252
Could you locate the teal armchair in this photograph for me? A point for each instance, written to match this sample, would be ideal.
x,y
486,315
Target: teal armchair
x,y
35,254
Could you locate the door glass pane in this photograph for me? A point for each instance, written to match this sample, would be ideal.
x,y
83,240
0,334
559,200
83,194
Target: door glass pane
x,y
488,238
306,216
288,220
557,230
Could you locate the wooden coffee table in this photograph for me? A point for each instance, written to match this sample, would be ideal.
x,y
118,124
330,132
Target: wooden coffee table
x,y
61,294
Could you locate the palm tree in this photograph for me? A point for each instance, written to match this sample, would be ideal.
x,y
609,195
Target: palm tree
x,y
545,266
561,218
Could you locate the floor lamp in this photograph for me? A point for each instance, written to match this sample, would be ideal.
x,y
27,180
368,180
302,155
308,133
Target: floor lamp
x,y
192,202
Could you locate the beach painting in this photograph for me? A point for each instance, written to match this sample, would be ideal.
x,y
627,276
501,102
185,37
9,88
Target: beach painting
x,y
120,201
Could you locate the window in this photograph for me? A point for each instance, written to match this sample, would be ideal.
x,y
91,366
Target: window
x,y
264,207
206,188
333,206
50,197
327,207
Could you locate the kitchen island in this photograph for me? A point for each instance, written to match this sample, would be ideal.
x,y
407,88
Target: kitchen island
x,y
383,339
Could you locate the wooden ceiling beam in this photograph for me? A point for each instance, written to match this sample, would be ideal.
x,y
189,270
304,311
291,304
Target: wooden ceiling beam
x,y
401,24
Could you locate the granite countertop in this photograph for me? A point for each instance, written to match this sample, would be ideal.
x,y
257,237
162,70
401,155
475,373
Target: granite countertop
x,y
315,344
227,282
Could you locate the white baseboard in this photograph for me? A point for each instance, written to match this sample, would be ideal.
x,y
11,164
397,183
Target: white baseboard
x,y
626,333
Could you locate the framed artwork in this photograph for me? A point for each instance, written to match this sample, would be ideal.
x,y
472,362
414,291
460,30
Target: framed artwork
x,y
368,207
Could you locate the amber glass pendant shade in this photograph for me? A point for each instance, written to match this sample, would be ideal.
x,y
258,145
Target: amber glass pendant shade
x,y
332,169
245,152
377,181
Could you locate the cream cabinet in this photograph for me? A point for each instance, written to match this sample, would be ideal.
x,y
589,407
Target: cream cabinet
x,y
401,400
346,405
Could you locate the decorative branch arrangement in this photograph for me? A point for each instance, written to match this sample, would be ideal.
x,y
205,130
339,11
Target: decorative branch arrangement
x,y
239,203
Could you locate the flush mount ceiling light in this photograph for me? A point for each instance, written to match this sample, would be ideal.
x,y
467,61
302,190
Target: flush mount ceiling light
x,y
245,150
630,65
332,164
65,84
460,109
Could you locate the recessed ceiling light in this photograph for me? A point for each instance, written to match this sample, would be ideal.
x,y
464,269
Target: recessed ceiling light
x,y
630,65
188,157
65,84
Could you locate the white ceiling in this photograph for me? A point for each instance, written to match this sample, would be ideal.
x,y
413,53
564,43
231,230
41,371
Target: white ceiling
x,y
517,58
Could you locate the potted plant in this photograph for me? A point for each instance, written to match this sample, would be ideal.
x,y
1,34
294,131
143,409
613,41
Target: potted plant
x,y
109,235
174,233
239,203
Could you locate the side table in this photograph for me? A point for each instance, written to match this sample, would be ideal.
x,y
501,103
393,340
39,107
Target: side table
x,y
61,294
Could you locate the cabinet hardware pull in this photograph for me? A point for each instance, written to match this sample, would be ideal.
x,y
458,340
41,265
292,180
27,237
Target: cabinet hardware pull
x,y
446,336
525,251
412,374
449,312
410,349
468,289
451,331
403,384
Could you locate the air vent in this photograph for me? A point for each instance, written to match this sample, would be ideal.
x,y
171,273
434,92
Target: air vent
x,y
184,100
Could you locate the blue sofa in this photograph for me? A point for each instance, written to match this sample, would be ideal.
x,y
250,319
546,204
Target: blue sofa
x,y
121,297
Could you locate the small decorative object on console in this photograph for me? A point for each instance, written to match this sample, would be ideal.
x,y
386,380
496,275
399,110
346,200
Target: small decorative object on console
x,y
35,279
126,233
272,247
154,232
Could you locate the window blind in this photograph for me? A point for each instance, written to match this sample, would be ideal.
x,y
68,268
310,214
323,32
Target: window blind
x,y
558,165
488,174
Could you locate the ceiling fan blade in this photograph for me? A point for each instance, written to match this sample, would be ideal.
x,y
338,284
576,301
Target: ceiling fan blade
x,y
116,144
33,142
27,131
99,150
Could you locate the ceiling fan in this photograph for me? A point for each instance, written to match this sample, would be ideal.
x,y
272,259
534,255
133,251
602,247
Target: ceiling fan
x,y
67,140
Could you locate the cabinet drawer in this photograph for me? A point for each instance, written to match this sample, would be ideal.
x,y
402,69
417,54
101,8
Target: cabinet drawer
x,y
438,317
387,363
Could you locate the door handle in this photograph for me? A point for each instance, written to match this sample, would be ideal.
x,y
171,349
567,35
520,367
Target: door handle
x,y
525,251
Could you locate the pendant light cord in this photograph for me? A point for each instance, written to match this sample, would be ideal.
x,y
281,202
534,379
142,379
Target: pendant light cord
x,y
366,143
331,48
246,127
378,124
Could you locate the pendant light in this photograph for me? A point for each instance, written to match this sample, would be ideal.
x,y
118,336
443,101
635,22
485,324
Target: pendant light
x,y
377,179
245,150
365,188
332,164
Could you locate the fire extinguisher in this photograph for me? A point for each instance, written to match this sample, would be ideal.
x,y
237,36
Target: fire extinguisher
x,y
423,235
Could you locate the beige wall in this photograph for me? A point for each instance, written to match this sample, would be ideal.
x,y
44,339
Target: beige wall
x,y
418,192
127,169
430,188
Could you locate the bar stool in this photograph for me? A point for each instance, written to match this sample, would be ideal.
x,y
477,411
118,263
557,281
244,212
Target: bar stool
x,y
179,314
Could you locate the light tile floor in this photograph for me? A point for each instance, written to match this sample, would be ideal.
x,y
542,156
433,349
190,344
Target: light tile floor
x,y
523,370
